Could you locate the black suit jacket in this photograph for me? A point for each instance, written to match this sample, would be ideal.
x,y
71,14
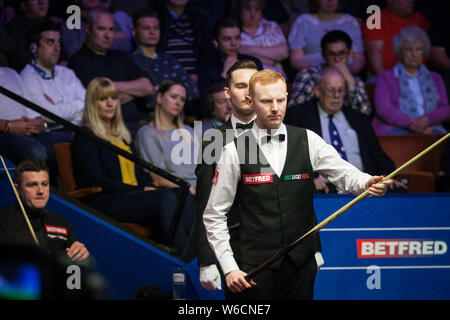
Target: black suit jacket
x,y
205,174
95,165
374,159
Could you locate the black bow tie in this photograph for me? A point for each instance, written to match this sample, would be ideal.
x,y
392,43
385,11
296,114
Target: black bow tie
x,y
244,126
281,137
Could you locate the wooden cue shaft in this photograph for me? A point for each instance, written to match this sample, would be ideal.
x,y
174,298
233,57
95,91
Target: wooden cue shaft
x,y
20,203
322,224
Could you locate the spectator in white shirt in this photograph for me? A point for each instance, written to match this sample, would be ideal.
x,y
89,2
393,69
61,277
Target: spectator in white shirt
x,y
17,128
53,87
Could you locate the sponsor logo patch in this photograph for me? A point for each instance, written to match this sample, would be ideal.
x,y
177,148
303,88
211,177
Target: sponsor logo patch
x,y
56,236
216,177
57,230
257,178
299,176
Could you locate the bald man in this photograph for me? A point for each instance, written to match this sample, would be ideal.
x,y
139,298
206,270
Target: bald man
x,y
359,143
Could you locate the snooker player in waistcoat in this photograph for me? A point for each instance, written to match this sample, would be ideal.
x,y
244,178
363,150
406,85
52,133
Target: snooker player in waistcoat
x,y
269,169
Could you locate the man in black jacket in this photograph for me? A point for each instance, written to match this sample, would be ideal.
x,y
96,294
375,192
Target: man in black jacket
x,y
53,231
361,146
241,119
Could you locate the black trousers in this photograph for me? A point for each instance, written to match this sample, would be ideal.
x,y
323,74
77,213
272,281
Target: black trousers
x,y
288,282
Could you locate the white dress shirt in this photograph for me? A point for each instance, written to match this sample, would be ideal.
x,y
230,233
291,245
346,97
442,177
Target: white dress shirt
x,y
65,89
9,108
324,160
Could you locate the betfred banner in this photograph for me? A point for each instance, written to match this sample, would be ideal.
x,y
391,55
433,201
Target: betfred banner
x,y
399,248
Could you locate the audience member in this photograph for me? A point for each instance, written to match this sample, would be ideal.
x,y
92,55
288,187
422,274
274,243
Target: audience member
x,y
350,132
336,49
218,106
97,59
128,194
397,15
185,34
157,65
51,86
34,11
227,40
18,129
308,29
261,38
409,98
53,231
283,12
159,141
73,39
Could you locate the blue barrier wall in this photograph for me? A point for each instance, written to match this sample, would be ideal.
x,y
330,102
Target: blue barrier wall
x,y
420,222
405,236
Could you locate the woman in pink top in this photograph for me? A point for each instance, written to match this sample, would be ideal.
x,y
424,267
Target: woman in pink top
x,y
409,98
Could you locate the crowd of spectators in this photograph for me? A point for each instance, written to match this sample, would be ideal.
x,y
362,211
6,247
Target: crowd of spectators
x,y
164,63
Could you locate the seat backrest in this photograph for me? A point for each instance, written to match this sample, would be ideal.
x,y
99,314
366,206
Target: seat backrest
x,y
65,168
401,148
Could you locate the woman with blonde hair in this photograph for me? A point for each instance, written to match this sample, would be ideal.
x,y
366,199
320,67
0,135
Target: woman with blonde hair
x,y
105,92
128,194
166,142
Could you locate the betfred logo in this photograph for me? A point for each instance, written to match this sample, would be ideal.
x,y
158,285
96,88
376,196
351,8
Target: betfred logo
x,y
216,177
257,178
58,230
399,248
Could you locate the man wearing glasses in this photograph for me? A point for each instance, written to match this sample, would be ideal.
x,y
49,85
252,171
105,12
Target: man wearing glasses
x,y
336,50
348,131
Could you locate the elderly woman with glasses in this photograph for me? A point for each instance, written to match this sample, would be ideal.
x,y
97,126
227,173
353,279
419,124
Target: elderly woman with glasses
x,y
409,98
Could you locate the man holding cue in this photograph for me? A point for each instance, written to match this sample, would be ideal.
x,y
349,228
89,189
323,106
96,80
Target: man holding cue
x,y
269,169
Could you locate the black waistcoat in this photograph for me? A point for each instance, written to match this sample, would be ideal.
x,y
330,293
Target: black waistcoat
x,y
275,211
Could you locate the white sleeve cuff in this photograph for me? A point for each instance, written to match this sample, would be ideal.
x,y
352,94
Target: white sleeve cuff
x,y
228,264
